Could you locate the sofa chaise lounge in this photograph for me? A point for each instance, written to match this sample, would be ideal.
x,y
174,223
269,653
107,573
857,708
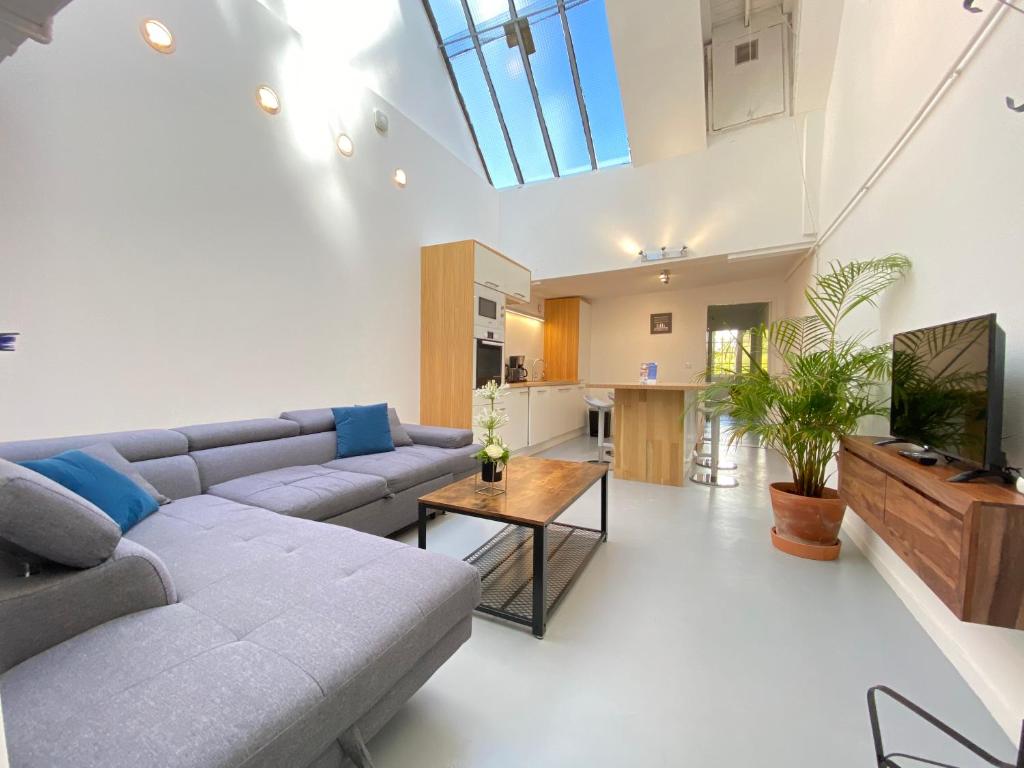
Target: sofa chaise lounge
x,y
233,627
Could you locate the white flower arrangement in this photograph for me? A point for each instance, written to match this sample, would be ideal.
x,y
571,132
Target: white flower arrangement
x,y
494,450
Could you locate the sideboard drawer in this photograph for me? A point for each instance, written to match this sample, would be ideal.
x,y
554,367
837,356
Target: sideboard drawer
x,y
928,538
862,486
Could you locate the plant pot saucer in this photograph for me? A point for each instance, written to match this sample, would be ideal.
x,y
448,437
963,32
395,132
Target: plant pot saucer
x,y
804,549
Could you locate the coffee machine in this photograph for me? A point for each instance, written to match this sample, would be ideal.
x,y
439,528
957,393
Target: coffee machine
x,y
515,371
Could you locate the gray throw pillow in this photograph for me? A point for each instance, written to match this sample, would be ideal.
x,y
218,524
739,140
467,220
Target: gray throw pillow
x,y
48,520
398,434
110,456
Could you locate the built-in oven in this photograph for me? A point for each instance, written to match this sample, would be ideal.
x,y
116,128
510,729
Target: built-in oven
x,y
488,308
488,357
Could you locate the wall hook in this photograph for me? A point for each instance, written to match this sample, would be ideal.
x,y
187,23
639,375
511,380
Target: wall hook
x,y
1014,105
969,6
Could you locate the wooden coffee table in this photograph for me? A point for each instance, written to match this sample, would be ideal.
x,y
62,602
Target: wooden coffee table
x,y
539,490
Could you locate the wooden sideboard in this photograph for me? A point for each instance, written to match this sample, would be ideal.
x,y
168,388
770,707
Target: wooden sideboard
x,y
965,540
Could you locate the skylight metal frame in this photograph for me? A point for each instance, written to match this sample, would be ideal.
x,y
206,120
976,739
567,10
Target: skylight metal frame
x,y
528,68
473,33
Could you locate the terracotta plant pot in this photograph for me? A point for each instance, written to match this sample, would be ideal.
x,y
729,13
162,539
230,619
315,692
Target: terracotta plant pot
x,y
490,472
805,526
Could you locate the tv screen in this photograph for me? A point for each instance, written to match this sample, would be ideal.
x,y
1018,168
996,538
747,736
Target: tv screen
x,y
947,386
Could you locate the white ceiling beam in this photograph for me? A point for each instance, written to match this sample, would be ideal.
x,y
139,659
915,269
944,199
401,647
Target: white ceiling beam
x,y
659,57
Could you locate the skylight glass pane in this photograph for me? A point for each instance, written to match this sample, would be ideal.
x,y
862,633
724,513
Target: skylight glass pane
x,y
477,97
509,77
487,13
450,18
589,28
557,92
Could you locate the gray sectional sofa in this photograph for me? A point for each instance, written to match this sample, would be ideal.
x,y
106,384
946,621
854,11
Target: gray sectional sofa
x,y
252,621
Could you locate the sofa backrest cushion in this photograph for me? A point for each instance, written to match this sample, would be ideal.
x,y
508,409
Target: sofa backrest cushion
x,y
312,420
217,435
174,476
46,519
137,445
218,465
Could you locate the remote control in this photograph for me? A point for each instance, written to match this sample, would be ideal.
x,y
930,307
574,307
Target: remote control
x,y
921,457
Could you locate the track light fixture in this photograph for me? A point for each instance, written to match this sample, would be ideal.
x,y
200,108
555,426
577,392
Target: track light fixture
x,y
664,253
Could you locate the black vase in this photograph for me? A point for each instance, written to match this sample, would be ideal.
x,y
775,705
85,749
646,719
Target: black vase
x,y
490,472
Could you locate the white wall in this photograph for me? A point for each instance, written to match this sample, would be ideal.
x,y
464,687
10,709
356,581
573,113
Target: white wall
x,y
524,336
952,201
743,193
621,336
377,45
171,254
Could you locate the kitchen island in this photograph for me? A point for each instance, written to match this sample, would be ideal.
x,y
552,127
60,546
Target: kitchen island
x,y
654,428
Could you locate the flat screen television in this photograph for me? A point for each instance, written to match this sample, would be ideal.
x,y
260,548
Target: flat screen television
x,y
947,390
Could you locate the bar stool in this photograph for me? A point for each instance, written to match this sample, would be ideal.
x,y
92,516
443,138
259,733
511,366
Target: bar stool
x,y
605,451
707,474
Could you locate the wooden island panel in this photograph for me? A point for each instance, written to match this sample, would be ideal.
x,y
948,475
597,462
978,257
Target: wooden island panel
x,y
652,429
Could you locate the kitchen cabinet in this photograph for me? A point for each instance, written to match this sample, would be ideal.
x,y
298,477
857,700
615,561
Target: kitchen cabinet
x,y
517,406
567,338
495,271
540,414
555,410
448,273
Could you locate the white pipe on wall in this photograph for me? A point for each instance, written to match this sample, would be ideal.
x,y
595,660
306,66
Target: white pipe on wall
x,y
954,71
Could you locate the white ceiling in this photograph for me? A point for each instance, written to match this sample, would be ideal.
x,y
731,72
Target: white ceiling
x,y
659,57
683,273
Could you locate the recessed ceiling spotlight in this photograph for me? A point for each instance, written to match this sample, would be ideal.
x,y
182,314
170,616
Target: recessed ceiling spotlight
x,y
345,145
268,99
664,276
399,177
157,35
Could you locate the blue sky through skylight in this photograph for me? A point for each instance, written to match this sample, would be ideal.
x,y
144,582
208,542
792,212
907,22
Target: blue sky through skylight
x,y
559,110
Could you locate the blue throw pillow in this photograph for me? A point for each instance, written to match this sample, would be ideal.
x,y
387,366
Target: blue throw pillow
x,y
124,501
363,429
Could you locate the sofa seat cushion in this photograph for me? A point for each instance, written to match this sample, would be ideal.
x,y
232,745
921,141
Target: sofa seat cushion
x,y
402,468
286,633
458,460
311,492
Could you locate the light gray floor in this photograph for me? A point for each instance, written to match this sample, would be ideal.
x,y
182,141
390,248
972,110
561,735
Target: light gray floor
x,y
688,641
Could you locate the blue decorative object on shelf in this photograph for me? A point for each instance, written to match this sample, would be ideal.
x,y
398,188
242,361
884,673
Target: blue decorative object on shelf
x,y
7,341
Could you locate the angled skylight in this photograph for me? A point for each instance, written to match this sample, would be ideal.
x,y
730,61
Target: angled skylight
x,y
537,81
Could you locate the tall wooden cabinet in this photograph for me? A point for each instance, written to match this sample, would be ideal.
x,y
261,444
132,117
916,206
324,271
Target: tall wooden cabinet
x,y
566,339
448,273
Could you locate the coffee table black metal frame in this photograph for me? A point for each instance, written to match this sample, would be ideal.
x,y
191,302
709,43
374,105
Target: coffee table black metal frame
x,y
539,615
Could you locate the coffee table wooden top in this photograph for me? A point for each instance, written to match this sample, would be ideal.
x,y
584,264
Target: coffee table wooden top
x,y
539,490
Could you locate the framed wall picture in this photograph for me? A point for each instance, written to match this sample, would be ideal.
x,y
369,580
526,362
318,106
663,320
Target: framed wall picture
x,y
661,322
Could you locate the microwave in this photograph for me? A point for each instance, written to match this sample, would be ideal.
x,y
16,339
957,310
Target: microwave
x,y
488,309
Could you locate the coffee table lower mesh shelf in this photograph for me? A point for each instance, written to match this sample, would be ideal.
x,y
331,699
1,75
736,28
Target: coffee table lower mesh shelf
x,y
505,563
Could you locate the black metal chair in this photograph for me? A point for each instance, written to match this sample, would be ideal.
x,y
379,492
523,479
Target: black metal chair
x,y
888,760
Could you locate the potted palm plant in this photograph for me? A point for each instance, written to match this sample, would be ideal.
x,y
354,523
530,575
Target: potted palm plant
x,y
827,384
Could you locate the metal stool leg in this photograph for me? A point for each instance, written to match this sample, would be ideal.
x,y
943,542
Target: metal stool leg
x,y
710,475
